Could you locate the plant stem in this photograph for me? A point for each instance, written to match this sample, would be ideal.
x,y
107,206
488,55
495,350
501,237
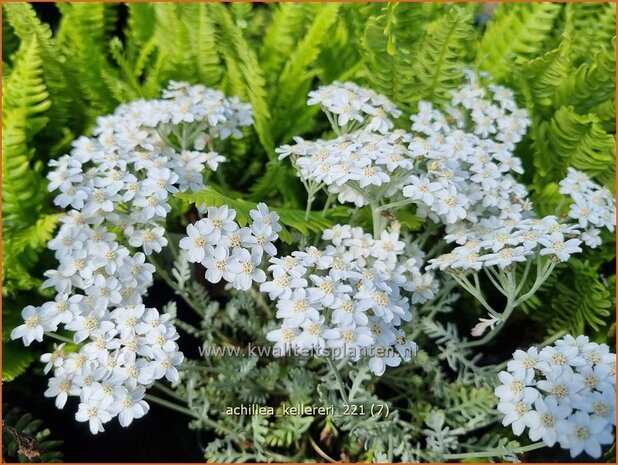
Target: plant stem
x,y
494,452
400,203
60,338
340,383
376,220
329,199
257,295
179,408
170,392
171,405
170,282
172,245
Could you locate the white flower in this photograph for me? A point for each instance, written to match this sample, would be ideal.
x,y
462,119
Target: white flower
x,y
560,249
95,413
245,270
519,414
217,264
282,285
576,403
283,338
197,240
61,388
34,326
557,358
129,405
164,364
525,361
586,433
296,309
505,257
315,335
514,387
422,189
263,216
551,421
221,220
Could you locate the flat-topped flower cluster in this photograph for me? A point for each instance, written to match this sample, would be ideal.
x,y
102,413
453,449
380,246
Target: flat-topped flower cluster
x,y
564,393
349,296
228,251
117,185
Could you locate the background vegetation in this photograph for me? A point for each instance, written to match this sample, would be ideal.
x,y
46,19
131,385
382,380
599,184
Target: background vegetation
x,y
64,66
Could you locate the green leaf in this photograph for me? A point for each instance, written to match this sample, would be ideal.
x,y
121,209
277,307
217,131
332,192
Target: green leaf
x,y
569,139
26,102
438,68
245,74
516,30
15,360
290,218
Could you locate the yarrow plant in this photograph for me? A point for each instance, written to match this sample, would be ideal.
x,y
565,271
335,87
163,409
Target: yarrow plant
x,y
564,393
349,297
117,185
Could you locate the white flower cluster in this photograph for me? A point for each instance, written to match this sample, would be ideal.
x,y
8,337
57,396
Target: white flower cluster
x,y
359,166
495,242
347,299
564,393
228,251
457,167
593,206
464,158
348,104
117,184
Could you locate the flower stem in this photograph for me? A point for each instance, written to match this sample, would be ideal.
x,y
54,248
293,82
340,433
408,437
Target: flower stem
x,y
60,338
180,409
340,383
171,405
495,452
376,220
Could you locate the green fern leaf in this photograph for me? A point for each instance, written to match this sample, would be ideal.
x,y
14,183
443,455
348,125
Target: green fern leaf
x,y
244,70
438,68
290,218
287,25
592,84
61,80
15,360
569,139
515,31
25,104
591,26
291,112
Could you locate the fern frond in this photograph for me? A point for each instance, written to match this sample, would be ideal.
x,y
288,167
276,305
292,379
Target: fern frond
x,y
244,69
574,299
293,219
540,78
82,35
10,42
590,26
15,360
438,68
288,22
24,114
569,139
207,61
592,84
388,68
291,112
517,30
61,80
